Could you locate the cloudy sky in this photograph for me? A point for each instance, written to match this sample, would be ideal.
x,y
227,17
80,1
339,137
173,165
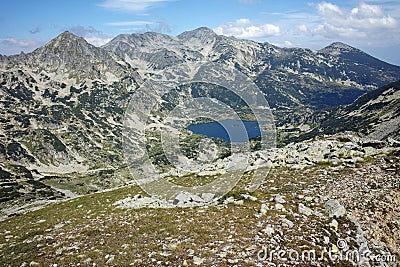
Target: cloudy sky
x,y
371,25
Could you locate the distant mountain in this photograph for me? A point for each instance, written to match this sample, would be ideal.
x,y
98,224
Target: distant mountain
x,y
71,59
364,67
62,105
290,77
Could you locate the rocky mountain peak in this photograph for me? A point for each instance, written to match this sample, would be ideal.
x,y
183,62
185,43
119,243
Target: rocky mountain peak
x,y
67,35
149,37
139,41
72,59
66,46
338,47
197,32
202,32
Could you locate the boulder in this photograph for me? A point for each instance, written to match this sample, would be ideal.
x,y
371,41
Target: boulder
x,y
279,199
304,209
334,208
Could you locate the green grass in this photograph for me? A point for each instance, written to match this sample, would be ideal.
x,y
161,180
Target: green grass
x,y
190,180
86,184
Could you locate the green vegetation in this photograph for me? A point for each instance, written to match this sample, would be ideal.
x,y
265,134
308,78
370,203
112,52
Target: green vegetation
x,y
190,180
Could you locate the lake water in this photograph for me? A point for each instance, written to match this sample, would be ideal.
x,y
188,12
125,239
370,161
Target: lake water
x,y
239,131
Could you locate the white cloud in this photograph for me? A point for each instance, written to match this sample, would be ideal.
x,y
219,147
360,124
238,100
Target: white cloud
x,y
91,35
360,22
302,28
23,43
10,46
246,29
327,9
135,6
97,41
284,44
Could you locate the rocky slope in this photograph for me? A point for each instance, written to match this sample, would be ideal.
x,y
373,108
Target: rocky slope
x,y
62,105
296,210
375,115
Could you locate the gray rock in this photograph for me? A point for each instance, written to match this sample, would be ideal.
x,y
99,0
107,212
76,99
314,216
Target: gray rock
x,y
184,199
208,197
268,230
279,199
287,223
229,200
334,224
304,209
138,202
263,209
197,260
249,197
238,202
334,208
110,259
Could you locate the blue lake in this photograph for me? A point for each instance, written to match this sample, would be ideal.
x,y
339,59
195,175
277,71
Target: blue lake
x,y
239,131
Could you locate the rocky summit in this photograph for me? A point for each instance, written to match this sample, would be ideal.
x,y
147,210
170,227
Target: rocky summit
x,y
329,185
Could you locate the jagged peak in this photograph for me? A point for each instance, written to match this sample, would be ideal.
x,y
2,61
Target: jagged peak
x,y
202,31
69,48
338,47
67,37
66,45
67,34
199,33
149,36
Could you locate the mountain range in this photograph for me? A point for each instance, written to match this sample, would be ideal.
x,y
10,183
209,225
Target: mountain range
x,y
290,77
62,105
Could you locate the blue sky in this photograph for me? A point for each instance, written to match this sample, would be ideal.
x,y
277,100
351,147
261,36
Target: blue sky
x,y
371,25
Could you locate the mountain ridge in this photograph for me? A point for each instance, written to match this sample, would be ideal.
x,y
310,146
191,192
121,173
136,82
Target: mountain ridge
x,y
330,63
63,104
71,58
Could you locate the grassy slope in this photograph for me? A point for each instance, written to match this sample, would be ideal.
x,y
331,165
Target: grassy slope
x,y
90,229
